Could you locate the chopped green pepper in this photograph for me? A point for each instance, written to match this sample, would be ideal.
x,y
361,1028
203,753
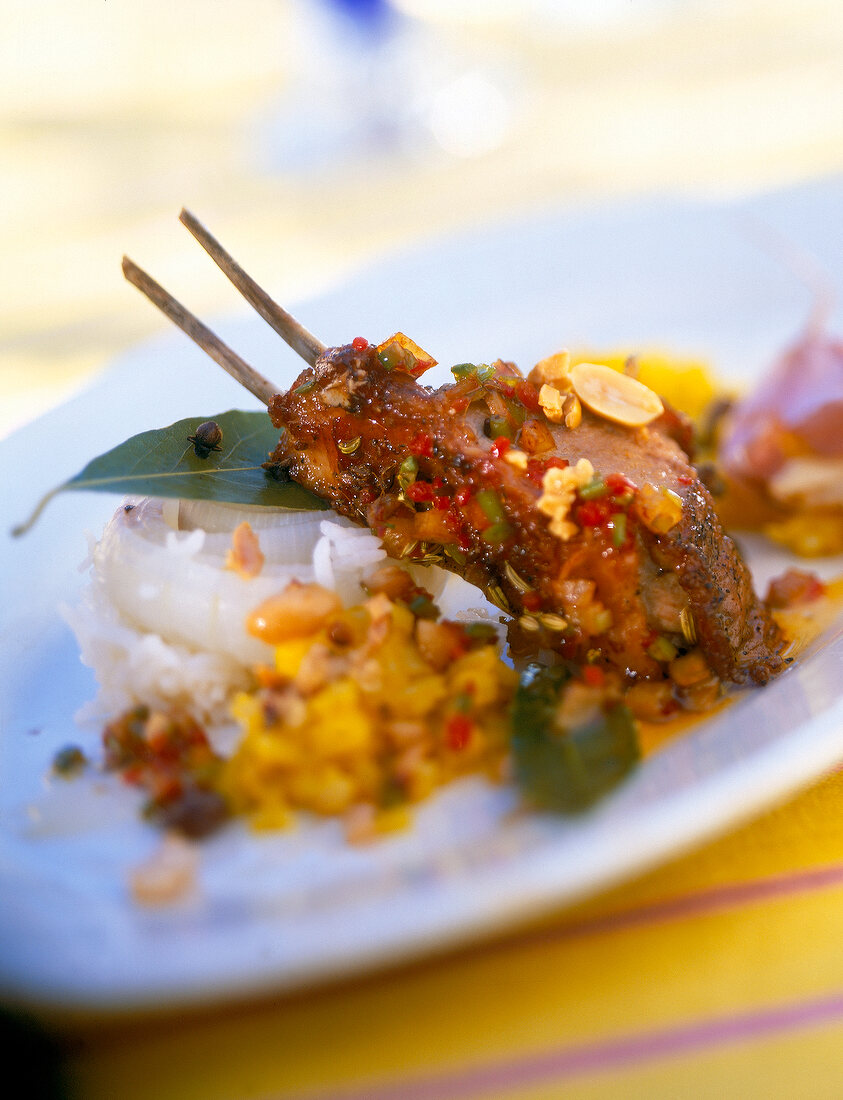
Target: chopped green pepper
x,y
596,488
491,505
407,471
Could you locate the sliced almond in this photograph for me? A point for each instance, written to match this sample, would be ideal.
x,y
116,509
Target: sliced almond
x,y
615,396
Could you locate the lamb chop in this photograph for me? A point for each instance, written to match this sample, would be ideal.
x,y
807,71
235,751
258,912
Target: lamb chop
x,y
566,496
598,538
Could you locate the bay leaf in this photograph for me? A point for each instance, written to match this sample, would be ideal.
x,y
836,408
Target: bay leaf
x,y
164,463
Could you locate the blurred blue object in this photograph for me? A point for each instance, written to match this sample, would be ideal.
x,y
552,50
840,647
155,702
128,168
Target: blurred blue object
x,y
368,15
367,81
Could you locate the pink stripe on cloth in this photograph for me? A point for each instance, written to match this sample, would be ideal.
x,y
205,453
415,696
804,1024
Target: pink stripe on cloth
x,y
562,1064
728,896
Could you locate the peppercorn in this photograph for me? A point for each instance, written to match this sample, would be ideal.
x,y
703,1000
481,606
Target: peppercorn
x,y
208,438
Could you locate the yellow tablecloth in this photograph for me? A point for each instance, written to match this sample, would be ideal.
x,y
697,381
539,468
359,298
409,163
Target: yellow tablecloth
x,y
720,974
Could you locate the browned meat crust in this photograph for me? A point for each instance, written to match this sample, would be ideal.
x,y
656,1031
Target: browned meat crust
x,y
427,471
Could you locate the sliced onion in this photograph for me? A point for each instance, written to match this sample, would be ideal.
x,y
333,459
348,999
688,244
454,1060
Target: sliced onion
x,y
174,583
217,515
287,535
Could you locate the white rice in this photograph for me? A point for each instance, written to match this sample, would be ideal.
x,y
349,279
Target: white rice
x,y
150,640
162,622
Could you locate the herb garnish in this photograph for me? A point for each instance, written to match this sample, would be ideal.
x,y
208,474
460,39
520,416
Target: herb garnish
x,y
164,463
561,769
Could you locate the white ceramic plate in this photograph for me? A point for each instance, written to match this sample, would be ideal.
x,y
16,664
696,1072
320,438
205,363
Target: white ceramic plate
x,y
282,911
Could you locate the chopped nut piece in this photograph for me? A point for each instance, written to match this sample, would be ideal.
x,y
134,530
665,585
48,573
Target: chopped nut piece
x,y
559,488
245,557
516,458
571,411
167,876
555,370
615,396
300,610
550,400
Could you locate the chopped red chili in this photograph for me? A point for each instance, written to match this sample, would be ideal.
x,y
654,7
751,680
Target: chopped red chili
x,y
594,675
419,491
538,467
422,445
528,395
618,485
593,513
501,446
532,601
359,343
458,730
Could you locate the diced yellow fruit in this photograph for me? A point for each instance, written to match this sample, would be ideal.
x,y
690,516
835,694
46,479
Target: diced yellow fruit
x,y
289,655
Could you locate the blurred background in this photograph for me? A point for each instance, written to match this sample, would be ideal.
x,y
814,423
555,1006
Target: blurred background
x,y
314,135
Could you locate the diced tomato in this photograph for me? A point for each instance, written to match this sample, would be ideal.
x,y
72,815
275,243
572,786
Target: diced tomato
x,y
359,343
501,446
463,496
